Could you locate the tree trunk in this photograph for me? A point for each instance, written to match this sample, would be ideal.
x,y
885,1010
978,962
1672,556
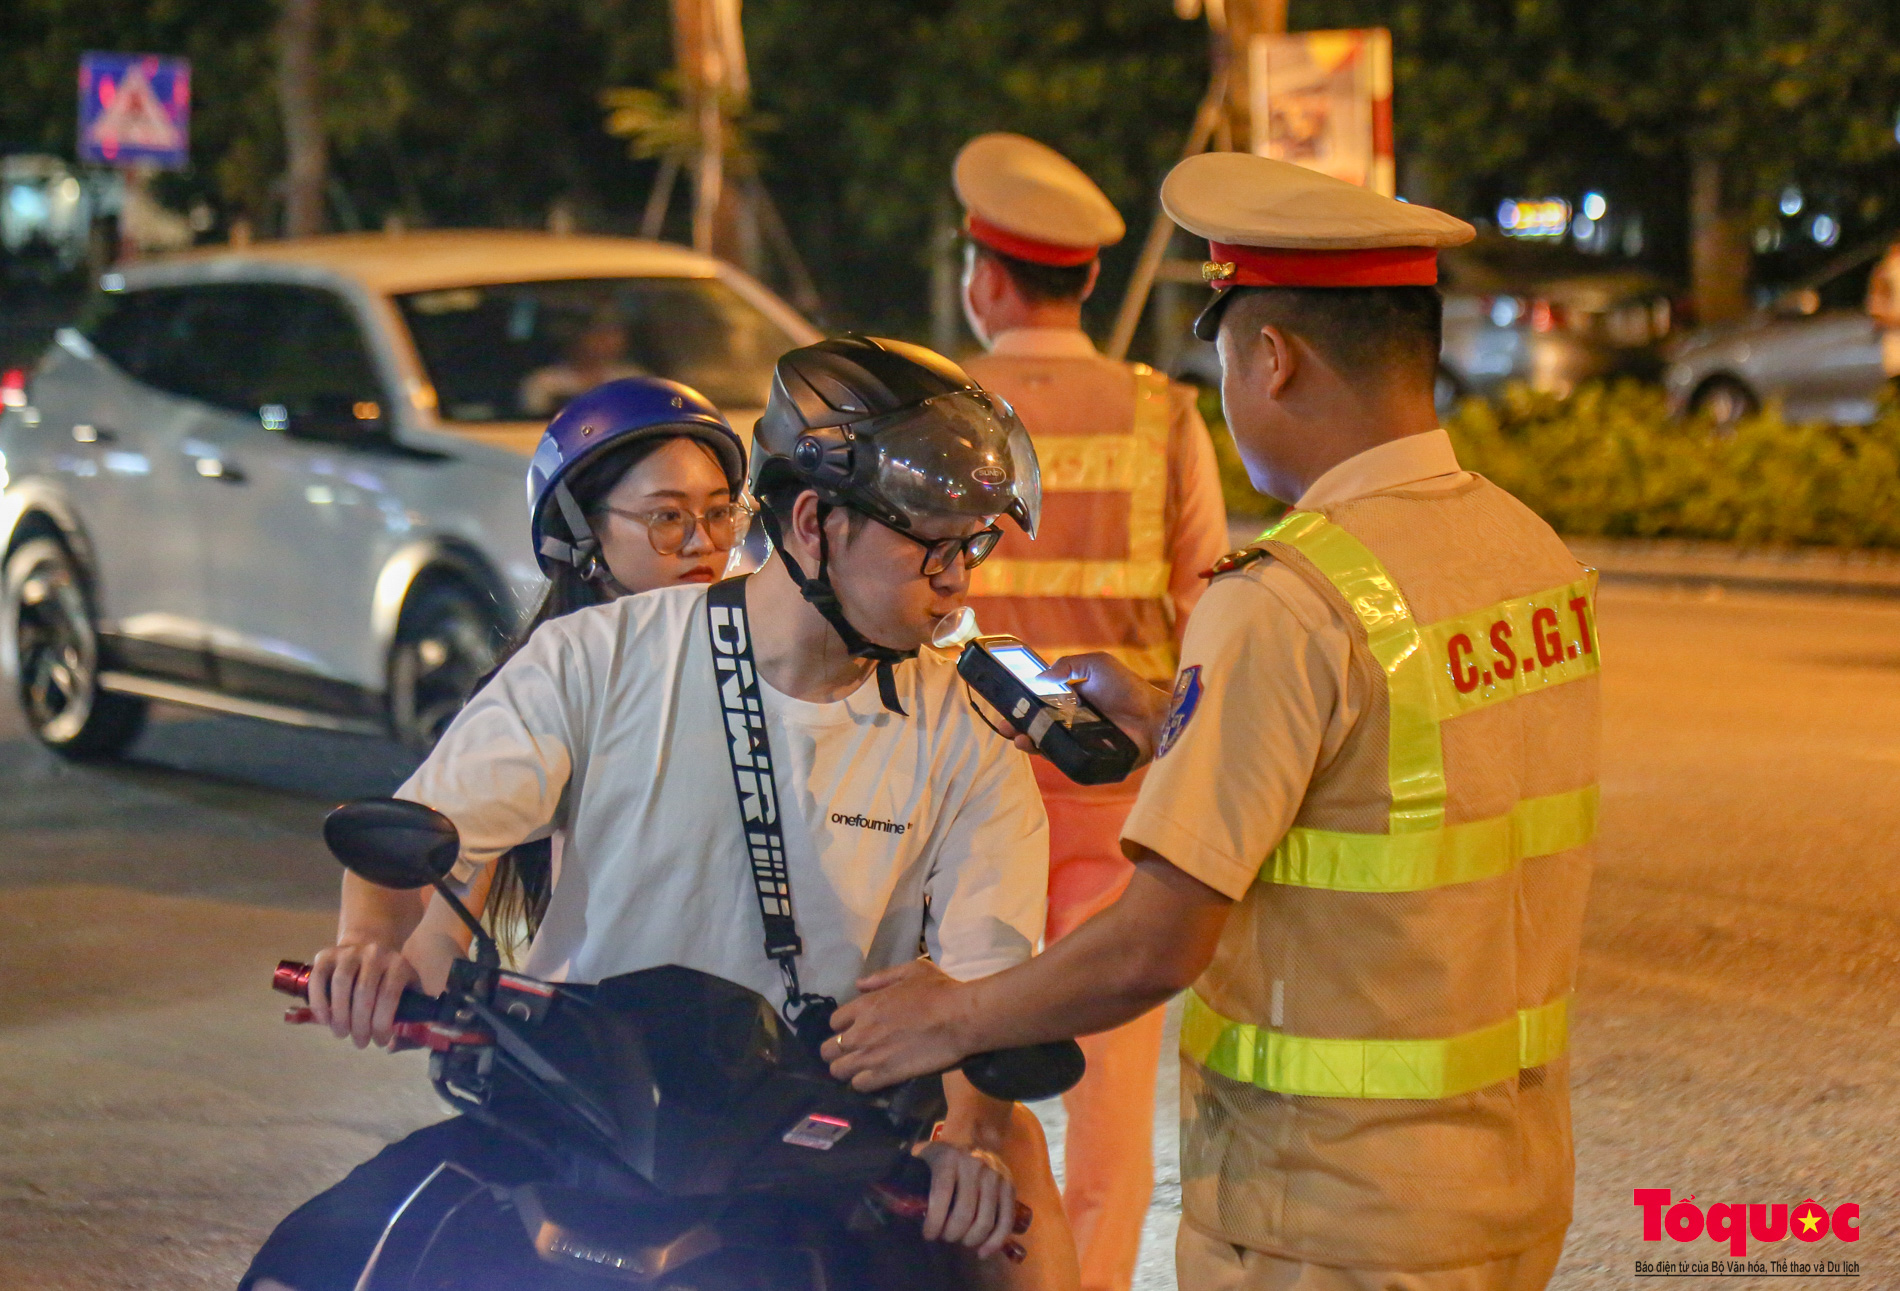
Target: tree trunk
x,y
946,281
1244,20
1719,254
299,98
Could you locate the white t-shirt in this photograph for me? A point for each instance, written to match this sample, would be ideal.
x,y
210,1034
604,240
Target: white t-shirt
x,y
606,727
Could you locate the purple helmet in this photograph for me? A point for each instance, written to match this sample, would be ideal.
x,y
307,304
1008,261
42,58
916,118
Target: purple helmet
x,y
612,416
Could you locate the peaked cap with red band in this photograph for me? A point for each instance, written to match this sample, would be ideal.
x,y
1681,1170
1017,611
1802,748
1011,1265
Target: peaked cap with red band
x,y
1274,224
1027,201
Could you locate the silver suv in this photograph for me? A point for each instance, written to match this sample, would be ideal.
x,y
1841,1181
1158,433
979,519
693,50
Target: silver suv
x,y
286,481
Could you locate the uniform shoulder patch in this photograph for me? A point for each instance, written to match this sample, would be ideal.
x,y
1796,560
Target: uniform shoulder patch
x,y
1235,560
1181,706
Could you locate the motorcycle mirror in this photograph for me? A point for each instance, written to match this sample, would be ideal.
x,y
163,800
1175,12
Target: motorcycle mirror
x,y
397,844
392,843
1028,1074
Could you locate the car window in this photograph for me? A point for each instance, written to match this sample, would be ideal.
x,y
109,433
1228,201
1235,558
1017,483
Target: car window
x,y
238,346
1847,289
317,363
519,351
120,323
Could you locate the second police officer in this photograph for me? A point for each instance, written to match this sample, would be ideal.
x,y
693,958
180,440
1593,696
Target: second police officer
x,y
1132,513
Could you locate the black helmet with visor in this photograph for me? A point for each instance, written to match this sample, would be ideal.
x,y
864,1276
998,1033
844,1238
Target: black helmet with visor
x,y
898,433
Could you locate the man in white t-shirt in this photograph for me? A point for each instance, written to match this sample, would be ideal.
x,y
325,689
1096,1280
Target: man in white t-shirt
x,y
882,470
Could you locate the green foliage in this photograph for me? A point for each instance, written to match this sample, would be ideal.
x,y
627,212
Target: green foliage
x,y
1611,462
487,111
233,95
1545,92
659,123
447,111
873,102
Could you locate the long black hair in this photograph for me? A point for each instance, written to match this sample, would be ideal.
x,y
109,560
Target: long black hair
x,y
523,878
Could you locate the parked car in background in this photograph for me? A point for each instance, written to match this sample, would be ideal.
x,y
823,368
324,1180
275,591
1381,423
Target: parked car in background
x,y
1550,317
287,481
1812,347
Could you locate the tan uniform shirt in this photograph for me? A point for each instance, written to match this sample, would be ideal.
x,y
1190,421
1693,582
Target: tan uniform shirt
x,y
1279,696
1060,385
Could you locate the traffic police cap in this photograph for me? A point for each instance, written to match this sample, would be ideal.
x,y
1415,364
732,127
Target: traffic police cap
x,y
1027,201
1274,224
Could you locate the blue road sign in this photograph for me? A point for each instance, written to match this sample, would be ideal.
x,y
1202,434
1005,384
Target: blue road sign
x,y
135,108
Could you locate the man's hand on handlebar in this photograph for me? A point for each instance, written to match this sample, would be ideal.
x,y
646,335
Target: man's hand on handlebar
x,y
354,990
972,1198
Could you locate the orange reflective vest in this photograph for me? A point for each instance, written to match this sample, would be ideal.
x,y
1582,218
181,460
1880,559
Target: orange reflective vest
x,y
1099,577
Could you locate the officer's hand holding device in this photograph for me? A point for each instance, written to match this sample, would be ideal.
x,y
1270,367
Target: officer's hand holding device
x,y
1083,745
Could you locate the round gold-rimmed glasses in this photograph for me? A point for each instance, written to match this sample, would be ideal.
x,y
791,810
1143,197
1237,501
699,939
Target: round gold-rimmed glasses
x,y
670,528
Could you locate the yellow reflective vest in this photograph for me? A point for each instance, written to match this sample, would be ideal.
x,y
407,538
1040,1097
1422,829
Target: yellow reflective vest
x,y
1377,1059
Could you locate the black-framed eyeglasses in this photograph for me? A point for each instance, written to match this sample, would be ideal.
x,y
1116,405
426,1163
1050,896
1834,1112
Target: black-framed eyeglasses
x,y
940,552
669,529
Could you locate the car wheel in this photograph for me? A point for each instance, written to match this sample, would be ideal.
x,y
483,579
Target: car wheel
x,y
446,641
1724,401
56,657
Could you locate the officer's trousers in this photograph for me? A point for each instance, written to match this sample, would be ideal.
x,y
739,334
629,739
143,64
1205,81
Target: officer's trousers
x,y
1204,1263
1108,1158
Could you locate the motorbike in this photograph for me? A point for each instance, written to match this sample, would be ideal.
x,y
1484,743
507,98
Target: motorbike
x,y
693,1140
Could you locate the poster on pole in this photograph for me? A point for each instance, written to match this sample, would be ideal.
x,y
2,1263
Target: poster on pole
x,y
135,109
1323,99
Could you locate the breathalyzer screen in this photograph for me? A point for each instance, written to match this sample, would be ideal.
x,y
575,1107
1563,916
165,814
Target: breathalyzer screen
x,y
1028,669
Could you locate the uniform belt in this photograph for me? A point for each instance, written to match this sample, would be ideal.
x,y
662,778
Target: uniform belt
x,y
1415,1069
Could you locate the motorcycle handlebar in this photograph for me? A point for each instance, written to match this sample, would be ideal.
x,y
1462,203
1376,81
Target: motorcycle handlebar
x,y
293,979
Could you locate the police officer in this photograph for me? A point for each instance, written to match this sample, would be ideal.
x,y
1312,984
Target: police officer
x,y
1132,513
1364,839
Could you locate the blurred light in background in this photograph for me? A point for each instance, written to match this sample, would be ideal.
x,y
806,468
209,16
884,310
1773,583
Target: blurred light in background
x,y
1792,201
1595,205
1825,230
1541,217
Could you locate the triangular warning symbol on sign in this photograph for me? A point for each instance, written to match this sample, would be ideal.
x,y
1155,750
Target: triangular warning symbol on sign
x,y
134,118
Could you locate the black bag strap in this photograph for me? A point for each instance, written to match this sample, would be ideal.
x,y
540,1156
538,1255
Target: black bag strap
x,y
742,706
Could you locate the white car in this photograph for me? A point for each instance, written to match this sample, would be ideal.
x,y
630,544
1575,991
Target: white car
x,y
1812,347
286,481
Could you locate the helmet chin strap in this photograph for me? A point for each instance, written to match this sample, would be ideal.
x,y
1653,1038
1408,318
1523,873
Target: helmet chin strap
x,y
584,552
821,596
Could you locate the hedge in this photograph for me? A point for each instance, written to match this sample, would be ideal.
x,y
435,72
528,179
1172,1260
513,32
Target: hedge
x,y
1610,461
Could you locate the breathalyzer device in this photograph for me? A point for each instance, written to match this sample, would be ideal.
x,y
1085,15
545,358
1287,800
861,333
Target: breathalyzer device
x,y
1083,745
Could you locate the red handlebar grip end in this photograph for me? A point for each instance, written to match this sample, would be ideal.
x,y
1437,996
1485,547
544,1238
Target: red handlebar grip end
x,y
292,978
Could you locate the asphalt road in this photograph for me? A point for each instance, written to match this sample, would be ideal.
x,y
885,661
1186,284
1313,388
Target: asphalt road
x,y
1737,1037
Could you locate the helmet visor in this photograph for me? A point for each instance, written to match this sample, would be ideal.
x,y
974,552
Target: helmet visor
x,y
960,454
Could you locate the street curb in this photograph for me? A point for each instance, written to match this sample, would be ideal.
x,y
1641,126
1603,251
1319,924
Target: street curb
x,y
1681,562
1823,571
